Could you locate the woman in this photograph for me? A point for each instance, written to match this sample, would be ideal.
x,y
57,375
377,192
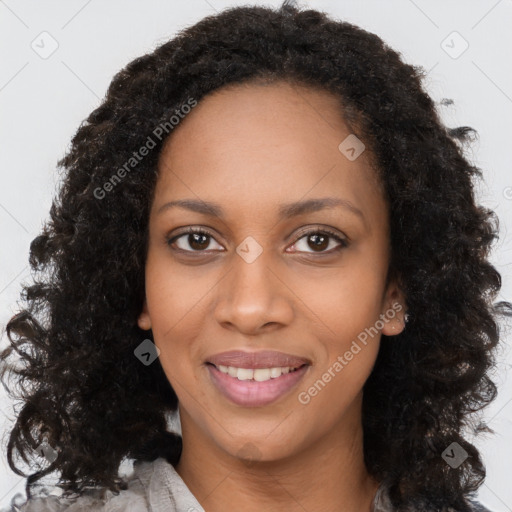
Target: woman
x,y
266,228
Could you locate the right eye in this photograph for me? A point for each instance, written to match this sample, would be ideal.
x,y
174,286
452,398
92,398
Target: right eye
x,y
197,239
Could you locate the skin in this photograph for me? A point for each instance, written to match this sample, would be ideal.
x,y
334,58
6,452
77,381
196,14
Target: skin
x,y
252,148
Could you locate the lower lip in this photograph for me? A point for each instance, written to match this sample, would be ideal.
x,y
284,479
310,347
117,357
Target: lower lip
x,y
250,393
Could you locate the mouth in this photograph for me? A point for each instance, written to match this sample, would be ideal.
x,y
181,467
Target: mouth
x,y
256,374
255,379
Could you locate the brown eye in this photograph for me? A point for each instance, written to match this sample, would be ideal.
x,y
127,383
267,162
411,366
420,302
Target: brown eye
x,y
192,240
319,241
198,241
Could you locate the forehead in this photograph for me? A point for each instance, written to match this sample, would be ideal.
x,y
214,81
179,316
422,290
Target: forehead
x,y
295,118
254,144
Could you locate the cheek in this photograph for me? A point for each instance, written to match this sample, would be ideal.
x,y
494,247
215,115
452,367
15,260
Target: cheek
x,y
346,311
345,301
176,303
176,296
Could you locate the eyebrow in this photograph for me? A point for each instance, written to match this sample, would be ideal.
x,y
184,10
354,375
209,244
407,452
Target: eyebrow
x,y
287,210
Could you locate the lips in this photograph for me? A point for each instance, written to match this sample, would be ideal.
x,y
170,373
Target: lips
x,y
250,393
262,359
255,379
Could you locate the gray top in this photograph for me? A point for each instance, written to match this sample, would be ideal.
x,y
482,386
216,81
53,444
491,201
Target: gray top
x,y
152,487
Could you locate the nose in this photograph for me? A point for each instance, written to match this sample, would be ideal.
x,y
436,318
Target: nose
x,y
253,298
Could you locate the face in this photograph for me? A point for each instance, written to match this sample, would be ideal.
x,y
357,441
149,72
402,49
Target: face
x,y
268,316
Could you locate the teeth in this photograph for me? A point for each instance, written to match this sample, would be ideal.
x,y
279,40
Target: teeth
x,y
275,372
256,374
262,374
244,374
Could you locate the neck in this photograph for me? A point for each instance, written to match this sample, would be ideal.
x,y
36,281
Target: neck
x,y
328,475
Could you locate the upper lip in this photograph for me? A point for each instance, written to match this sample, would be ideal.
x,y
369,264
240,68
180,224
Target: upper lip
x,y
261,359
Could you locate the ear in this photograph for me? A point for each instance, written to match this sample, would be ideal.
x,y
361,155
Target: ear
x,y
144,321
394,308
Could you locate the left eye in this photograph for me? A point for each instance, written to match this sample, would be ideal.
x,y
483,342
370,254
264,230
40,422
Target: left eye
x,y
320,241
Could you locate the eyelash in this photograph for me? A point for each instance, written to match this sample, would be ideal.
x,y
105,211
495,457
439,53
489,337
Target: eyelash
x,y
316,231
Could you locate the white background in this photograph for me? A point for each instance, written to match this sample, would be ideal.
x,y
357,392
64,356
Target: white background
x,y
42,102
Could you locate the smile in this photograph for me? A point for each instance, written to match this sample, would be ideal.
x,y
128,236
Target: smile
x,y
255,387
256,374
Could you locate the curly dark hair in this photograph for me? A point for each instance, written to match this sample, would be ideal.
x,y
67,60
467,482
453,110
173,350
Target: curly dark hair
x,y
83,390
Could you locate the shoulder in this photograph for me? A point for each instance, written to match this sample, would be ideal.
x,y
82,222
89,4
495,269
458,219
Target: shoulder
x,y
129,500
153,486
